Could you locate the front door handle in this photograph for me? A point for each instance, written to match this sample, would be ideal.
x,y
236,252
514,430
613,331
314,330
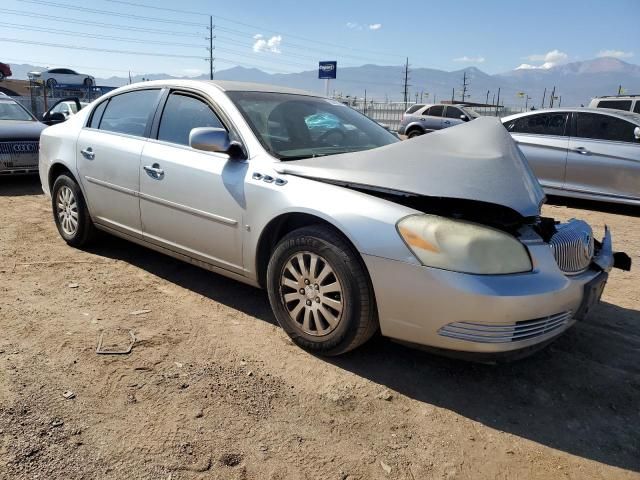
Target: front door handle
x,y
88,153
447,122
154,171
582,150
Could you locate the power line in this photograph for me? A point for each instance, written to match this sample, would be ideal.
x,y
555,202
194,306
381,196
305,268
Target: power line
x,y
115,14
54,31
98,24
259,28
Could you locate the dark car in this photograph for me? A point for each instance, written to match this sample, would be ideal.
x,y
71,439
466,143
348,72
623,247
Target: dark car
x,y
5,71
20,135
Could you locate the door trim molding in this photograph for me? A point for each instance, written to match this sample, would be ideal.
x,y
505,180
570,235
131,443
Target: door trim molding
x,y
112,186
192,211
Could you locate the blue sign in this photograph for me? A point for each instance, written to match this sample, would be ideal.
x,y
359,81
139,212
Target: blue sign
x,y
327,69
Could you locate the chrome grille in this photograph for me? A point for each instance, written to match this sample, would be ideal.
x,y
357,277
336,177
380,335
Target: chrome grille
x,y
505,332
19,155
573,246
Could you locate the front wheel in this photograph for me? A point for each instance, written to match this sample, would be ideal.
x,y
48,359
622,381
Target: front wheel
x,y
320,292
415,133
70,212
51,83
88,82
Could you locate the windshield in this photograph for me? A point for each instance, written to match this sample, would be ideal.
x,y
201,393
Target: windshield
x,y
10,110
292,127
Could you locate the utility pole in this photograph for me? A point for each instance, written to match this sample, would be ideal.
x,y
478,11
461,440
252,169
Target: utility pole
x,y
560,101
365,102
553,95
544,95
619,89
405,90
211,37
453,94
465,86
498,103
487,100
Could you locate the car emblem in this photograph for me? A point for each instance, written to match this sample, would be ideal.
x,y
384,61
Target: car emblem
x,y
586,245
24,148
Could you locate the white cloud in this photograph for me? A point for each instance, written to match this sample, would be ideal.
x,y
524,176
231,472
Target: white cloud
x,y
358,26
550,59
614,54
262,44
466,59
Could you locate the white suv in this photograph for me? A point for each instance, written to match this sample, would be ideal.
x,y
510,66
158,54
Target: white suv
x,y
628,103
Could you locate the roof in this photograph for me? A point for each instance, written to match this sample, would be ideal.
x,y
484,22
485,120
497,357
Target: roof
x,y
223,85
232,86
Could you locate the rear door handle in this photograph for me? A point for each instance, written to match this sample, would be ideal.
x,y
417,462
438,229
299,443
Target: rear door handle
x,y
581,150
154,171
88,153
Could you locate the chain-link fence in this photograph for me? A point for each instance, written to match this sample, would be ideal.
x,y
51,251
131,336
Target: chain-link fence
x,y
390,114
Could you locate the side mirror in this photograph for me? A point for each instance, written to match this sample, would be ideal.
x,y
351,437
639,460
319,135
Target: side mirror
x,y
464,118
210,139
53,118
636,133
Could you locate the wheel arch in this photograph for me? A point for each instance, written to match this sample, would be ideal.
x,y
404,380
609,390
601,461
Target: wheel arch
x,y
55,171
280,226
414,126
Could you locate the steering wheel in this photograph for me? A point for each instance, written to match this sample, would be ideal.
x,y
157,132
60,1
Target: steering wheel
x,y
333,131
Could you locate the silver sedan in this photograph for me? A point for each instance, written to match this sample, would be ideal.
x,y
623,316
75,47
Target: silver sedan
x,y
582,152
437,241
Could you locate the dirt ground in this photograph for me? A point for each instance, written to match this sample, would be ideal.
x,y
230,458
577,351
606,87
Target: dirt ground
x,y
213,389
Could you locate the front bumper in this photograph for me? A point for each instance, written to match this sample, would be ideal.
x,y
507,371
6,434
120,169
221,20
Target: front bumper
x,y
423,305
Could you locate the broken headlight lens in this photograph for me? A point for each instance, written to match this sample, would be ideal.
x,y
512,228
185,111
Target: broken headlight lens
x,y
463,246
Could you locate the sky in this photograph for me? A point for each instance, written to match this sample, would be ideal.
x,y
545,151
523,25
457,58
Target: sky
x,y
162,36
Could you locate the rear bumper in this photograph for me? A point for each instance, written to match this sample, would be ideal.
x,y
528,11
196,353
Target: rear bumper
x,y
483,313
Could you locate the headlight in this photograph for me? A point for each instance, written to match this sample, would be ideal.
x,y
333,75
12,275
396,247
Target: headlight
x,y
463,246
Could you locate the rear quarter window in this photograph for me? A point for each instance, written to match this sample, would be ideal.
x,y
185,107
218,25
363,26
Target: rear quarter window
x,y
615,104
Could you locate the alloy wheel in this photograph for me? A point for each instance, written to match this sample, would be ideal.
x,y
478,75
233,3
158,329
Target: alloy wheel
x,y
312,293
67,210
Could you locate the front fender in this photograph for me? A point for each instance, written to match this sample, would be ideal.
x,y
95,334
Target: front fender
x,y
367,221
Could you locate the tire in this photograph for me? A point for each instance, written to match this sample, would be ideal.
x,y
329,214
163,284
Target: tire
x,y
415,133
334,312
51,83
70,213
88,82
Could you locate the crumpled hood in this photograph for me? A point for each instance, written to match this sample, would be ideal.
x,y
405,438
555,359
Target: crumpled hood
x,y
477,160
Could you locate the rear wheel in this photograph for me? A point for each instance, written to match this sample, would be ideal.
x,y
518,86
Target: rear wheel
x,y
51,83
70,212
88,82
415,133
320,292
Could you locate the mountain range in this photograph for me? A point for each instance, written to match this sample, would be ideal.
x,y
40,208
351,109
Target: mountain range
x,y
576,83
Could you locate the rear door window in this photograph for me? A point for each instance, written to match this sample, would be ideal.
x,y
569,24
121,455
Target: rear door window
x,y
615,104
637,107
540,124
435,111
453,112
130,112
604,127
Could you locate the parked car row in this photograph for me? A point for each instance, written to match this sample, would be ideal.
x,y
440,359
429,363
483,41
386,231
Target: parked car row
x,y
437,241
